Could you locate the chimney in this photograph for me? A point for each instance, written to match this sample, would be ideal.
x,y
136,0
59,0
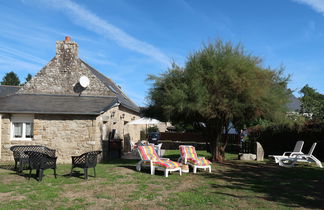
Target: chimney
x,y
67,38
66,49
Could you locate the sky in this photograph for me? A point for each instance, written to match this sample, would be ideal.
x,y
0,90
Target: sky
x,y
127,40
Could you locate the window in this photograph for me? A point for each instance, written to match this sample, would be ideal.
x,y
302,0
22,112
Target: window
x,y
22,127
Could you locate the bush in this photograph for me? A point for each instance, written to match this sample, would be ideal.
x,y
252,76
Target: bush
x,y
278,139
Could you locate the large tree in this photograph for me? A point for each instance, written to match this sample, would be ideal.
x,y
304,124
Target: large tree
x,y
312,102
10,78
219,84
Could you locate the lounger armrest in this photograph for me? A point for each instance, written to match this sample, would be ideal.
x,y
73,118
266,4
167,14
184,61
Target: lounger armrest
x,y
285,153
164,158
295,154
202,157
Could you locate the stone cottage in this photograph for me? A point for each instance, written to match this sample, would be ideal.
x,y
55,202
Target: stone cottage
x,y
68,106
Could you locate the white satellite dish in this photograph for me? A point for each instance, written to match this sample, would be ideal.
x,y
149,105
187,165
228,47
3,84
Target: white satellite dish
x,y
84,81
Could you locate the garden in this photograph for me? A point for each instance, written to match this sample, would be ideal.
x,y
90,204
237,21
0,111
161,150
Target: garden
x,y
232,184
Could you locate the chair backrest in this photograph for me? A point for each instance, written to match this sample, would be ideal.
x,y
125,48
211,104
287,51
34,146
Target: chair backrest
x,y
18,150
159,146
299,146
311,150
91,158
188,151
148,152
39,160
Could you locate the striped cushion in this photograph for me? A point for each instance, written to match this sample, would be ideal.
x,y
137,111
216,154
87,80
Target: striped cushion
x,y
148,153
164,164
199,162
190,153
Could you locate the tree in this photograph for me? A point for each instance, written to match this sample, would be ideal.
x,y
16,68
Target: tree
x,y
28,78
312,103
218,85
10,78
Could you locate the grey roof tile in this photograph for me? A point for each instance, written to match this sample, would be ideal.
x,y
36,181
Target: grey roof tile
x,y
6,90
294,104
122,98
56,104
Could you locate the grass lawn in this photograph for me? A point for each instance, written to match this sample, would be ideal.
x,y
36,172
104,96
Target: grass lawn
x,y
233,184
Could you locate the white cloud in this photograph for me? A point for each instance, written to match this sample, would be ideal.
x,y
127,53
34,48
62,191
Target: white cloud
x,y
85,18
22,55
317,5
18,66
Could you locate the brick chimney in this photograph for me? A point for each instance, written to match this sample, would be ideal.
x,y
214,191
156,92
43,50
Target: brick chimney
x,y
66,49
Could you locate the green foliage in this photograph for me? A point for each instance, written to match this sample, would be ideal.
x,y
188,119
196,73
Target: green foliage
x,y
28,78
312,103
10,78
277,138
152,129
219,84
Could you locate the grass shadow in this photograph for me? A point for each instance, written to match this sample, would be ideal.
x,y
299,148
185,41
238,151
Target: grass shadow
x,y
301,186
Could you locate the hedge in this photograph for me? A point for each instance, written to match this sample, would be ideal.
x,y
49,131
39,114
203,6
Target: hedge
x,y
276,140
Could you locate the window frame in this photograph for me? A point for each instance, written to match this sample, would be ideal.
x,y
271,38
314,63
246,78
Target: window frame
x,y
24,119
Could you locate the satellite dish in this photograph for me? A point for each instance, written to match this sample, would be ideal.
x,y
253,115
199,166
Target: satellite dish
x,y
84,81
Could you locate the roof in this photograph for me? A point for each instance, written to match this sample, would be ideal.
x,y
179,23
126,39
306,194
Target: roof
x,y
56,104
293,104
56,88
122,98
6,90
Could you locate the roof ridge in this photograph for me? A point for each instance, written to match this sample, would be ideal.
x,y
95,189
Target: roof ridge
x,y
64,95
11,86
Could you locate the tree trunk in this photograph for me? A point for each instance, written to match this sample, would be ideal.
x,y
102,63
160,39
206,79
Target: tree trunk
x,y
214,134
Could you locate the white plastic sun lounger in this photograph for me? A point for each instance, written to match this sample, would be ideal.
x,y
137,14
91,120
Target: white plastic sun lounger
x,y
308,158
297,151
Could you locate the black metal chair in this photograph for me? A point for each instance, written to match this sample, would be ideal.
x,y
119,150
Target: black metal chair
x,y
40,162
85,161
21,159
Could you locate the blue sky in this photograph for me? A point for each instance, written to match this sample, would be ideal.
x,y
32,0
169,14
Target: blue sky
x,y
128,39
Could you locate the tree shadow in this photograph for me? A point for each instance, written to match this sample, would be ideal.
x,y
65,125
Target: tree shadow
x,y
301,186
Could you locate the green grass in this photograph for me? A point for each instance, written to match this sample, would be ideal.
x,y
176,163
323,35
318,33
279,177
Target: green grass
x,y
232,184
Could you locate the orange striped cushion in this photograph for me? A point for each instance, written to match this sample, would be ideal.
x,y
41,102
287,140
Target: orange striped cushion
x,y
199,161
164,164
148,152
188,151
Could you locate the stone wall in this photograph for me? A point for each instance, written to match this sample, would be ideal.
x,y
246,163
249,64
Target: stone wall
x,y
69,134
0,133
116,118
6,154
62,73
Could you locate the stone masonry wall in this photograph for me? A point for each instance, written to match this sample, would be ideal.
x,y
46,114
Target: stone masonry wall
x,y
68,135
117,118
61,75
